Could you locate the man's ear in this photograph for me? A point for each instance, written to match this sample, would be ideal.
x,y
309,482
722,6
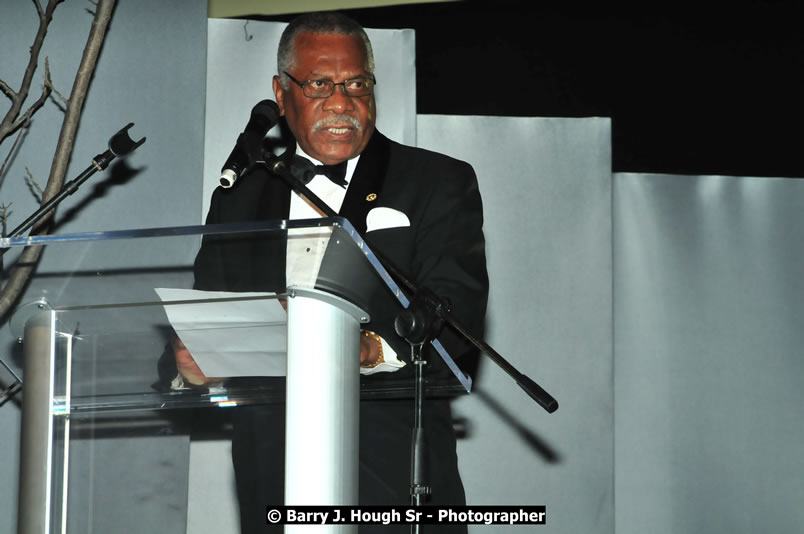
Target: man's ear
x,y
279,92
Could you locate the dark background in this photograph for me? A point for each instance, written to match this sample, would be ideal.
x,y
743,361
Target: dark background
x,y
690,88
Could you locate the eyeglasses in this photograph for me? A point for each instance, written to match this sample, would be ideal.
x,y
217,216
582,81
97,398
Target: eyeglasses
x,y
360,86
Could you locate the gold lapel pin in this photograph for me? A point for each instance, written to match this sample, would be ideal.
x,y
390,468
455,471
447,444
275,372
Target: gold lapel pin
x,y
371,196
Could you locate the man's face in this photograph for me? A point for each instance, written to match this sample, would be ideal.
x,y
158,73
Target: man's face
x,y
331,129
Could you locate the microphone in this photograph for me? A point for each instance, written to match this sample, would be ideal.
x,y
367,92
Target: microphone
x,y
263,117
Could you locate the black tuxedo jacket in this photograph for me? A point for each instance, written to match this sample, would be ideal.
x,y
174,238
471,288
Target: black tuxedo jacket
x,y
443,249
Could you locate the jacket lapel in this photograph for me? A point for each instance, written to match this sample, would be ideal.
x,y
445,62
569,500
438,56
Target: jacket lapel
x,y
366,185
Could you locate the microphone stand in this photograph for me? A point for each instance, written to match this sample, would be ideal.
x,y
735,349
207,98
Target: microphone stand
x,y
120,144
279,166
418,324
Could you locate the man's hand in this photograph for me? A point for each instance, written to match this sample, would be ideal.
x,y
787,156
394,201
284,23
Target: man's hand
x,y
370,349
186,365
370,356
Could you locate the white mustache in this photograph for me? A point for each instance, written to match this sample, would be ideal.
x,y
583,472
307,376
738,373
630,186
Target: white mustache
x,y
336,120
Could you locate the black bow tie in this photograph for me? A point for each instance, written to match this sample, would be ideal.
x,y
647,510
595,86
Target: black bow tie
x,y
305,170
336,173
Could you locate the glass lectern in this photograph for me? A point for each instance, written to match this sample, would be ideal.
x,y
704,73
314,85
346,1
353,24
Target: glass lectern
x,y
97,326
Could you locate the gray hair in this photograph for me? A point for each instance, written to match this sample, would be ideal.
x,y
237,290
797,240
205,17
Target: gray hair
x,y
319,22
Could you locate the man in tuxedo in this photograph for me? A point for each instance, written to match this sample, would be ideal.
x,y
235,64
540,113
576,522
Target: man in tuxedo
x,y
420,209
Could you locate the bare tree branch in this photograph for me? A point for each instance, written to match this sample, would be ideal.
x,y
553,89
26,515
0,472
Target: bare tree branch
x,y
64,99
5,212
36,189
30,256
77,96
9,123
9,92
46,89
23,270
11,152
39,9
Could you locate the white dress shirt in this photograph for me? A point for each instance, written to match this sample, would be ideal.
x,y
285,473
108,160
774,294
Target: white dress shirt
x,y
307,246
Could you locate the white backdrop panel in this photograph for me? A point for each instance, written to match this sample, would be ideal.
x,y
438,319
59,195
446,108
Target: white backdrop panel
x,y
546,186
708,336
241,62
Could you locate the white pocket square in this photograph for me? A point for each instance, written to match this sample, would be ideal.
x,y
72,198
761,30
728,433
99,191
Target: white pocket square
x,y
381,218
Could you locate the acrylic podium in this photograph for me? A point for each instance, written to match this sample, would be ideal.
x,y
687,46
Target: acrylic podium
x,y
96,346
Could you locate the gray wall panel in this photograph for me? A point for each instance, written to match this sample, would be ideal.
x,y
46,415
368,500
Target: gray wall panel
x,y
709,299
547,201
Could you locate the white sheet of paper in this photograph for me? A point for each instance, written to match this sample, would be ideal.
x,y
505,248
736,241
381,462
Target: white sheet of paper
x,y
234,337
